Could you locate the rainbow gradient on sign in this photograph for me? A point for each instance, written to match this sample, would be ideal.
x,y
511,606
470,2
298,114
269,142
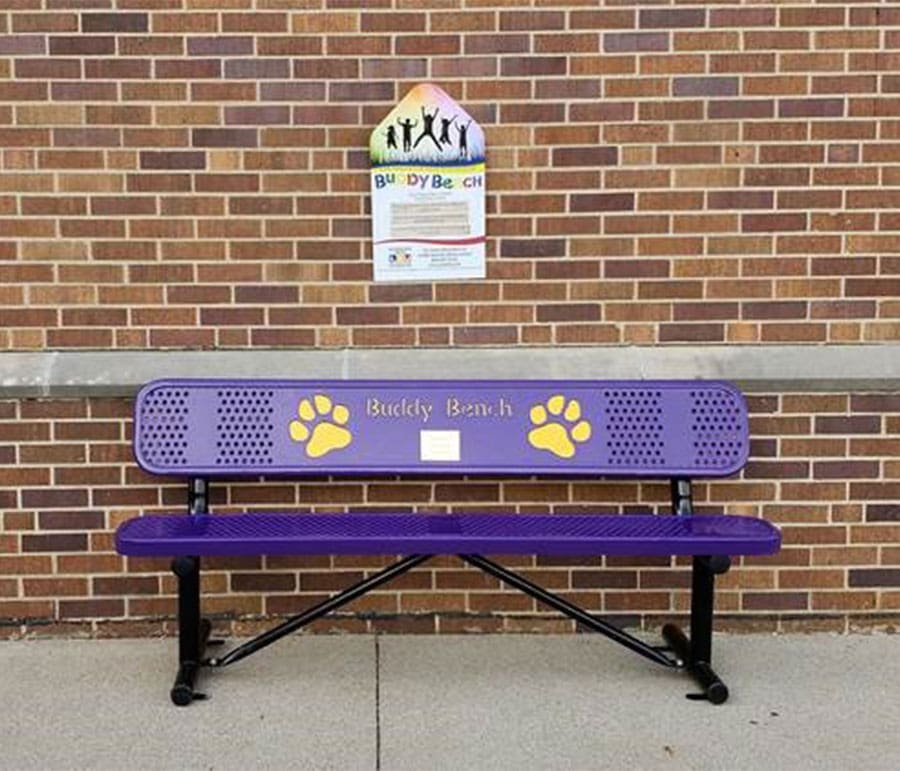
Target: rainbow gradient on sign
x,y
427,127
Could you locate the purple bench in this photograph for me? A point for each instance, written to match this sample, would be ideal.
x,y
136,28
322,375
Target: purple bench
x,y
216,429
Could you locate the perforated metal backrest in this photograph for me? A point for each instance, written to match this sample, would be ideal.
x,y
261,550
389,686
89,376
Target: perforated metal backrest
x,y
646,428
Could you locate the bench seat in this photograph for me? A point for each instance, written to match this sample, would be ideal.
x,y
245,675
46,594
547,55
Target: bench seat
x,y
583,534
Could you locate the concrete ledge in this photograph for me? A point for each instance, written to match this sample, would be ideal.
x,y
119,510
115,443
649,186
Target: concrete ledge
x,y
754,368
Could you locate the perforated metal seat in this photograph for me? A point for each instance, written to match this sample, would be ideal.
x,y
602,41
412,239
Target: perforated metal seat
x,y
444,534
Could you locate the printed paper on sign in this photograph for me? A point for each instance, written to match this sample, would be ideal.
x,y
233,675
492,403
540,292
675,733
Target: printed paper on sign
x,y
428,190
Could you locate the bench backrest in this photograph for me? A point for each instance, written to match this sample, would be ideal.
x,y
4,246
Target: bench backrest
x,y
241,427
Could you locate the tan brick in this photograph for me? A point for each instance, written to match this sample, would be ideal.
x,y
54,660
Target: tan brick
x,y
811,579
707,178
49,114
824,601
306,22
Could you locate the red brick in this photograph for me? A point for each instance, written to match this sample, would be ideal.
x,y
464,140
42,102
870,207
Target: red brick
x,y
125,585
619,42
91,608
263,582
19,610
70,520
691,333
496,44
532,113
54,543
742,17
59,69
585,156
533,66
485,335
114,22
81,45
229,45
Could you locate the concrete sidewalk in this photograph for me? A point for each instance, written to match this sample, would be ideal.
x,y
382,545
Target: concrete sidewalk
x,y
497,702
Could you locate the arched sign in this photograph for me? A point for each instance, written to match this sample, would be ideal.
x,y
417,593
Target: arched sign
x,y
428,190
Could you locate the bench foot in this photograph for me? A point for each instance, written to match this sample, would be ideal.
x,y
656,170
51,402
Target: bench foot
x,y
696,652
183,692
713,689
193,631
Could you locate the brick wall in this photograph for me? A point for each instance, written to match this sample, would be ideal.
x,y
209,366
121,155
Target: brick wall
x,y
825,467
175,175
201,175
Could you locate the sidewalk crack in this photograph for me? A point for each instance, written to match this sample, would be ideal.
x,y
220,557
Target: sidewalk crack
x,y
377,703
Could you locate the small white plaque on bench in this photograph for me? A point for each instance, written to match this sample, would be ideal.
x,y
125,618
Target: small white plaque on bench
x,y
439,445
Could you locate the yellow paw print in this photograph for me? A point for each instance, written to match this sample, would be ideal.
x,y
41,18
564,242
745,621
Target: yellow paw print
x,y
558,436
329,433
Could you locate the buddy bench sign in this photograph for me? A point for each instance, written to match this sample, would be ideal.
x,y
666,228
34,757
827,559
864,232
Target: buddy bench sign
x,y
428,190
410,424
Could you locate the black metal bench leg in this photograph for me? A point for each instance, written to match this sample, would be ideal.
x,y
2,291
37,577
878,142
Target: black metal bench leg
x,y
193,631
696,653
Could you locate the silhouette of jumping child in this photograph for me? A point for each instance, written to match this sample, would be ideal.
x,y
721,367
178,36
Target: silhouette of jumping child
x,y
464,139
428,128
407,125
391,138
445,130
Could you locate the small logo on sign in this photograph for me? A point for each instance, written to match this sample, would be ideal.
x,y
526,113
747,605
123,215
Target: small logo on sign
x,y
400,257
320,426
